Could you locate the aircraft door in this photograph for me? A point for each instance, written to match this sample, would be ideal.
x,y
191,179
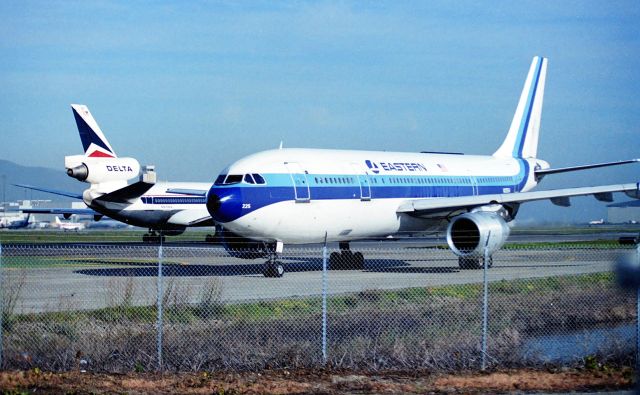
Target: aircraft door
x,y
300,182
363,181
474,184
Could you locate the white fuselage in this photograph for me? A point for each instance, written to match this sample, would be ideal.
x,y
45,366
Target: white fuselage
x,y
305,194
156,208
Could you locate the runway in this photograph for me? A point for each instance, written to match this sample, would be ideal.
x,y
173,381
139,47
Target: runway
x,y
61,278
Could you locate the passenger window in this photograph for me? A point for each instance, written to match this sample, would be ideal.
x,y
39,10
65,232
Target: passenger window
x,y
248,179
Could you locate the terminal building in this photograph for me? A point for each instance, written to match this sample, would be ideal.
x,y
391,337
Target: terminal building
x,y
14,209
624,212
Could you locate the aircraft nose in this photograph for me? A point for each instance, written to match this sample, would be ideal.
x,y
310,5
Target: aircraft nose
x,y
224,204
213,203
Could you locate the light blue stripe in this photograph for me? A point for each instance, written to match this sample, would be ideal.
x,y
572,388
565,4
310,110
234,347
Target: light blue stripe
x,y
526,114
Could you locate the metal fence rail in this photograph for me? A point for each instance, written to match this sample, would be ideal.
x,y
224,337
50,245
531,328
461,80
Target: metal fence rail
x,y
132,307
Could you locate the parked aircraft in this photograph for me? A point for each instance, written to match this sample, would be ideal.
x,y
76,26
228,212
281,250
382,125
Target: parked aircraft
x,y
67,225
296,196
162,207
15,222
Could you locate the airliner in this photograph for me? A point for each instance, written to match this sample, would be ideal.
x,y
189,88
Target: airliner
x,y
162,207
67,225
15,222
299,196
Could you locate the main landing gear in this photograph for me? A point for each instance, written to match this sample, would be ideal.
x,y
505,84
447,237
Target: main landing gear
x,y
346,259
272,267
153,237
473,263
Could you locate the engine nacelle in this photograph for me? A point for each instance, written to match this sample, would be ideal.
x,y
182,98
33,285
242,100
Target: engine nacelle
x,y
241,247
99,170
468,234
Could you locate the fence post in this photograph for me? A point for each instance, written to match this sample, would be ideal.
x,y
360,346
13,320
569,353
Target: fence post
x,y
324,301
485,302
159,325
1,311
638,315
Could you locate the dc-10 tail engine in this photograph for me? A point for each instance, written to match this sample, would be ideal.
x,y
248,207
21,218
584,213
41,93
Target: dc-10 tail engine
x,y
469,234
99,170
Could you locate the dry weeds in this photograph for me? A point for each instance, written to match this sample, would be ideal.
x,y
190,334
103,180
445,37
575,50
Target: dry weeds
x,y
314,381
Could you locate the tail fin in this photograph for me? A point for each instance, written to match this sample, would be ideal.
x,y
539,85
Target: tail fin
x,y
56,219
93,140
522,139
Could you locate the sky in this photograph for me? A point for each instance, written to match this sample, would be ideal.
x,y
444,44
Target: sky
x,y
193,86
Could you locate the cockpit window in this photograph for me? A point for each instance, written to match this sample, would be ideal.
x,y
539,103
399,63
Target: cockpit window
x,y
259,179
248,179
233,179
220,179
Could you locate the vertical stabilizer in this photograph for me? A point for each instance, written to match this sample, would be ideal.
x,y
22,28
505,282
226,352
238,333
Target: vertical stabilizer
x,y
522,139
93,141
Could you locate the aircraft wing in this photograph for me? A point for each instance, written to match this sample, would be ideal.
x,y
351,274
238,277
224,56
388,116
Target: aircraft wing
x,y
557,196
124,195
191,218
53,191
191,192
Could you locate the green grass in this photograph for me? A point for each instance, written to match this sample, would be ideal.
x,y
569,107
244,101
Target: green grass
x,y
299,308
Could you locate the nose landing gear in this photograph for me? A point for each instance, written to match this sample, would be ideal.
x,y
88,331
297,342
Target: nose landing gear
x,y
272,267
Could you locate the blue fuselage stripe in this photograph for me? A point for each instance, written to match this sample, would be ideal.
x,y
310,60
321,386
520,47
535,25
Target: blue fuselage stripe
x,y
241,199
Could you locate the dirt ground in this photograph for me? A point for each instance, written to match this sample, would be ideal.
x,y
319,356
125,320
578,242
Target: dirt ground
x,y
316,382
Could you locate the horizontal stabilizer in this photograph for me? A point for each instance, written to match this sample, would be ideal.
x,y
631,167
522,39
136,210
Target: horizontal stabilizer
x,y
52,191
543,172
128,193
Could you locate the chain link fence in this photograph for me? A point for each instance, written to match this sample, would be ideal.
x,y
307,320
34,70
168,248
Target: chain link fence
x,y
122,307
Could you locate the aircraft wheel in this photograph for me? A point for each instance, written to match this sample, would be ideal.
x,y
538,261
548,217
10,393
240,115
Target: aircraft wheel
x,y
358,261
335,261
347,259
469,263
273,270
489,262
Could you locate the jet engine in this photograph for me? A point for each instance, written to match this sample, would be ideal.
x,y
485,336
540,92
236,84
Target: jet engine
x,y
241,247
468,234
99,170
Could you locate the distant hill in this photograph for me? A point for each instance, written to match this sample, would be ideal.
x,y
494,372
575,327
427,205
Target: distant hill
x,y
36,176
